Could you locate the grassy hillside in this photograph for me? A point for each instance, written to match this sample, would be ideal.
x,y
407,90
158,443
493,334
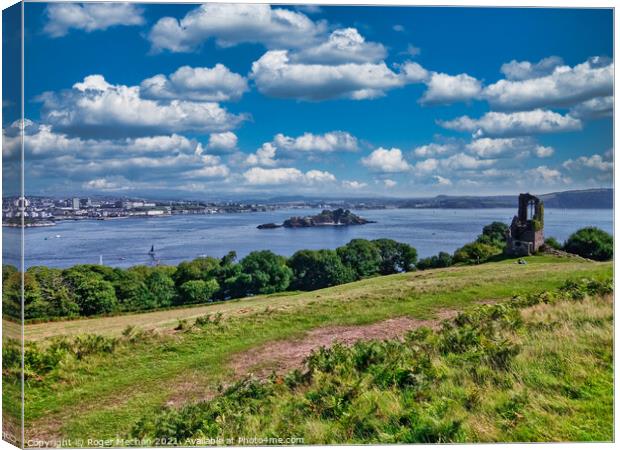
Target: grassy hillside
x,y
104,391
439,282
535,368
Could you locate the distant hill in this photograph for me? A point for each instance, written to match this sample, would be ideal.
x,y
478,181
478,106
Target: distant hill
x,y
587,199
577,199
584,199
461,202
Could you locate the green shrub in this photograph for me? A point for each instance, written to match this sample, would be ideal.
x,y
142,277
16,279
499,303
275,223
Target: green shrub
x,y
591,243
390,391
260,272
553,243
494,234
198,291
395,256
208,320
442,259
361,256
475,253
40,360
318,269
182,324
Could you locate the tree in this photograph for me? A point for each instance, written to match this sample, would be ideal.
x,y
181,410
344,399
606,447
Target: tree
x,y
198,291
161,288
55,292
318,269
34,304
361,256
474,253
227,272
591,243
131,291
494,234
395,256
442,259
11,294
93,294
228,259
261,272
8,270
199,269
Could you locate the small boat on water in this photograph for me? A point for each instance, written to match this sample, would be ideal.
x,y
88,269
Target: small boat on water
x,y
152,250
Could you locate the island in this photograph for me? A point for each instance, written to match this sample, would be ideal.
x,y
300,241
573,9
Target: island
x,y
337,217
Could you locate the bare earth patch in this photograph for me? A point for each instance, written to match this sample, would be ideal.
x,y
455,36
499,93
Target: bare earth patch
x,y
283,356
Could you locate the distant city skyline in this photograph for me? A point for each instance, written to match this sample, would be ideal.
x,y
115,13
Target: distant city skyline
x,y
255,101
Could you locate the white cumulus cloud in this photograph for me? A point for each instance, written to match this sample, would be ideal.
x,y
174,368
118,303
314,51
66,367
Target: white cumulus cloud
x,y
354,184
108,184
594,108
62,17
41,141
443,88
456,162
344,45
433,149
546,175
507,147
333,141
543,151
215,84
514,124
223,141
210,171
412,72
386,161
524,70
565,86
596,162
465,161
95,107
442,181
259,176
276,75
319,177
264,156
389,183
232,24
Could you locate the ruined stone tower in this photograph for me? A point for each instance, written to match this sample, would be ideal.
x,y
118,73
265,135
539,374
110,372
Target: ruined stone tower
x,y
526,235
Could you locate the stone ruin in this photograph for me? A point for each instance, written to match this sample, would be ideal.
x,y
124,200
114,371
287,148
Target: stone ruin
x,y
526,235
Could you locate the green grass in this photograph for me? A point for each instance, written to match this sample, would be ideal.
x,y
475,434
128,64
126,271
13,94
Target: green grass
x,y
103,395
373,288
539,368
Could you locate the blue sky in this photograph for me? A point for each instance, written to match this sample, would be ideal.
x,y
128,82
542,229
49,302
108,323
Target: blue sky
x,y
250,100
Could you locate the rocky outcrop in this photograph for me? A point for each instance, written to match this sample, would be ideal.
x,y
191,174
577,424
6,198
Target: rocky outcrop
x,y
268,226
337,217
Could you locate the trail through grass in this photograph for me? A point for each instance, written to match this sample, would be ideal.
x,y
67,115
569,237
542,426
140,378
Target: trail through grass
x,y
103,395
533,368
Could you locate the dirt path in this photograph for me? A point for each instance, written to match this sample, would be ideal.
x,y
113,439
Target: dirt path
x,y
281,357
276,356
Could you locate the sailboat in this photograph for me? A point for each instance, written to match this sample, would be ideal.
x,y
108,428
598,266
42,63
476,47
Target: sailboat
x,y
152,250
